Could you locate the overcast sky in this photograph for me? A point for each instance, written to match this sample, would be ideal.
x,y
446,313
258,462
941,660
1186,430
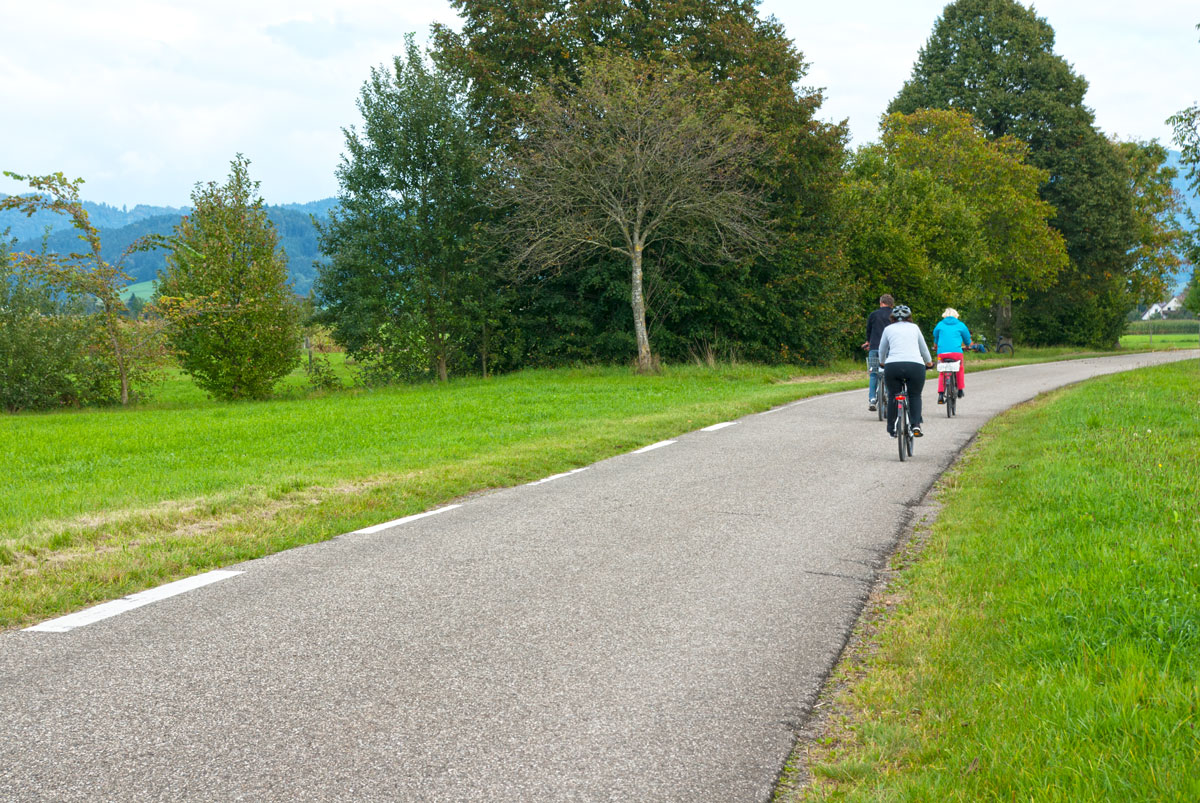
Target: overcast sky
x,y
144,99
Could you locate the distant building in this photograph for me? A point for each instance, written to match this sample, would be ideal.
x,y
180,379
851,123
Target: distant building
x,y
1160,310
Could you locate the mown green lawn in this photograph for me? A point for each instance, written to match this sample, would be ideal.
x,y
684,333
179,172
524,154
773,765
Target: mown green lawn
x,y
1183,341
1046,641
101,503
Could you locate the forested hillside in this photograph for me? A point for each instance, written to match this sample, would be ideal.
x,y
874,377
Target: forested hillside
x,y
119,228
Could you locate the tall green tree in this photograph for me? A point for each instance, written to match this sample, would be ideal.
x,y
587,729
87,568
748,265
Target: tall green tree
x,y
1018,250
995,59
906,234
789,304
1157,206
233,320
937,214
409,285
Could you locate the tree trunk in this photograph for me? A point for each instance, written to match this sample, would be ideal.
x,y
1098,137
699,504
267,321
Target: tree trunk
x,y
441,361
644,364
484,355
1003,313
119,358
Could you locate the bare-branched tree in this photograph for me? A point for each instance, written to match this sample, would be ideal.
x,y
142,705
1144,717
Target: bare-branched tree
x,y
634,155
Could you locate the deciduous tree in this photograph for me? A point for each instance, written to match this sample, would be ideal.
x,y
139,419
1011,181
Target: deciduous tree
x,y
995,59
1019,251
407,286
1186,125
790,304
634,156
233,319
1156,206
131,349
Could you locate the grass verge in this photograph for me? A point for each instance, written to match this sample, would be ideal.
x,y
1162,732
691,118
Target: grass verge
x,y
102,503
1046,644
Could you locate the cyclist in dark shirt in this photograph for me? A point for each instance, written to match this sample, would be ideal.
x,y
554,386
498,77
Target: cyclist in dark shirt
x,y
876,321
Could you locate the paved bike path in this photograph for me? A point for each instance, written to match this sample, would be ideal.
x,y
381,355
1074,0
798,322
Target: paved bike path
x,y
652,628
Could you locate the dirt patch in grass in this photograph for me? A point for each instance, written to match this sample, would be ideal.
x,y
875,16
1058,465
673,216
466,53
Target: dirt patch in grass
x,y
843,377
98,533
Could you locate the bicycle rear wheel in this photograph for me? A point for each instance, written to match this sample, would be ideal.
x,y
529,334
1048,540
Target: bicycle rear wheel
x,y
951,395
902,429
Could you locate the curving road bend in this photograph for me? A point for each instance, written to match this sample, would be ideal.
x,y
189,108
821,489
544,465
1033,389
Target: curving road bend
x,y
652,628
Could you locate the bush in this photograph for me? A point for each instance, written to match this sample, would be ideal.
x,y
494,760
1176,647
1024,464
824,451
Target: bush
x,y
48,357
234,323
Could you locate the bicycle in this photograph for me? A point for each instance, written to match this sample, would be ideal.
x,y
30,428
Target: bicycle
x,y
904,433
949,369
881,394
1005,346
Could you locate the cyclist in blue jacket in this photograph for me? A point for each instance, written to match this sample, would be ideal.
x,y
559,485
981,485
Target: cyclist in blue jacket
x,y
950,339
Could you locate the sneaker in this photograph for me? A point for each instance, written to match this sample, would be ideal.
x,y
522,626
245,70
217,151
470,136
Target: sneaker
x,y
891,434
916,432
961,393
941,397
872,407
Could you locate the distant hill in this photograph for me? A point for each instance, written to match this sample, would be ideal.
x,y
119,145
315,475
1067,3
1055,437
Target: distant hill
x,y
102,216
293,223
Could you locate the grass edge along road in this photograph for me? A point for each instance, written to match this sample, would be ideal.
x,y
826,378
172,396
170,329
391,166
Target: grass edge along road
x,y
1041,640
143,497
98,504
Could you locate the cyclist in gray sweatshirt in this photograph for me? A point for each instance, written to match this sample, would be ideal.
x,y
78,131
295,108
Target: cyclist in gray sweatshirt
x,y
904,356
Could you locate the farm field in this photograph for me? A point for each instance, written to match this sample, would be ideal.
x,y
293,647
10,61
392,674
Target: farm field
x,y
1182,341
1041,640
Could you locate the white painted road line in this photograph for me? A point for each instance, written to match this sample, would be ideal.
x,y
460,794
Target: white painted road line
x,y
388,524
117,606
652,446
722,425
557,476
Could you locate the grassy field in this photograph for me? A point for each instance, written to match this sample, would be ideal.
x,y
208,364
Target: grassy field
x,y
1045,642
102,503
143,290
1182,341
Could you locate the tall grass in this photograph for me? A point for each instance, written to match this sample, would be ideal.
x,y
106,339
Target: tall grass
x,y
1047,642
1171,326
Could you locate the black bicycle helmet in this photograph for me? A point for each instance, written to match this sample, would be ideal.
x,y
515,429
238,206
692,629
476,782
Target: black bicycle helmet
x,y
900,311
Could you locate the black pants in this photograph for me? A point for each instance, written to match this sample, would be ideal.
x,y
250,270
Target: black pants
x,y
896,372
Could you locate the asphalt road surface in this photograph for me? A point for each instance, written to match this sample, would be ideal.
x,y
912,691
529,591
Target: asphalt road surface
x,y
652,628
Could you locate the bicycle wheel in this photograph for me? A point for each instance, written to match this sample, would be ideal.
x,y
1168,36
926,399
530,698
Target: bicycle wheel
x,y
951,395
902,429
1004,349
881,398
